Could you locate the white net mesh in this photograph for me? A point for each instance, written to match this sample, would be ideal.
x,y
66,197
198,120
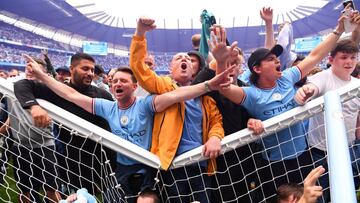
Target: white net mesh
x,y
37,164
243,175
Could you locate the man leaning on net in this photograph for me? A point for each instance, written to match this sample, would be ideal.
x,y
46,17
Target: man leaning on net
x,y
33,149
79,167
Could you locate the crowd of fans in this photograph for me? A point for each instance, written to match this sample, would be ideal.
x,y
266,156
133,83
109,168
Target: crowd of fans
x,y
12,33
12,53
197,104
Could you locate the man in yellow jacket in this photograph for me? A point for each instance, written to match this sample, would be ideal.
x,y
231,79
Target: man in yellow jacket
x,y
183,126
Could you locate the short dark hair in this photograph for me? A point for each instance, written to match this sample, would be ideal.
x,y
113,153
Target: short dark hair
x,y
195,39
346,45
258,56
76,58
41,62
285,190
4,71
126,69
254,77
98,69
356,71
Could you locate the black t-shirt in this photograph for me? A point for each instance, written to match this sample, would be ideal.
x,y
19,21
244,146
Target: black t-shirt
x,y
26,91
235,116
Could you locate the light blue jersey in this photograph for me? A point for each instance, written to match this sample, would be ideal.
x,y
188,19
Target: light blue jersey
x,y
192,131
267,103
133,124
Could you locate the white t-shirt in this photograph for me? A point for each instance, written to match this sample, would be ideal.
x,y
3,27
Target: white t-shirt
x,y
326,81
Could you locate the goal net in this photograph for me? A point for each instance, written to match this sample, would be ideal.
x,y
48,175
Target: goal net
x,y
242,176
36,162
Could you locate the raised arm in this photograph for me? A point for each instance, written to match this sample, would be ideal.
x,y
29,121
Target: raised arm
x,y
59,88
267,15
222,53
146,77
184,93
321,50
355,35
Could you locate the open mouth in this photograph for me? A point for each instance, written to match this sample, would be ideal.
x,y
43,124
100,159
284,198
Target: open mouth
x,y
119,91
278,68
183,66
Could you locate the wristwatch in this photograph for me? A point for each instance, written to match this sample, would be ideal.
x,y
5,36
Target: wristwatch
x,y
207,86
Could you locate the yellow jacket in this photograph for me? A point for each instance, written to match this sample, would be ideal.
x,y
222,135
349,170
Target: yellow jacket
x,y
168,125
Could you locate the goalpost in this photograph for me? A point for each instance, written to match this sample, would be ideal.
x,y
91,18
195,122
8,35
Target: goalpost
x,y
244,138
237,183
107,190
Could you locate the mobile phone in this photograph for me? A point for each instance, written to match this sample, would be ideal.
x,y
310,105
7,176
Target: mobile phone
x,y
346,2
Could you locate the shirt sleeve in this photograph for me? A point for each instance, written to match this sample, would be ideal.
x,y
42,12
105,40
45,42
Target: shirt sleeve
x,y
292,74
249,93
102,107
148,103
319,81
25,93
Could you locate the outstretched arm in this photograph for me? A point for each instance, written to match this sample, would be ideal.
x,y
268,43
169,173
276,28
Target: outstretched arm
x,y
59,88
355,35
222,53
184,93
321,50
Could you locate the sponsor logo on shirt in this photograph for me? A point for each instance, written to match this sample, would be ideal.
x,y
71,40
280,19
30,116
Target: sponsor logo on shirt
x,y
280,109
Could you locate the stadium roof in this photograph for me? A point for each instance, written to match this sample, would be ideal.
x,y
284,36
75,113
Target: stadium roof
x,y
113,21
186,13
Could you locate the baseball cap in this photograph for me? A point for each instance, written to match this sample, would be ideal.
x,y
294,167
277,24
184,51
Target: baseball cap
x,y
63,68
199,56
99,69
260,54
